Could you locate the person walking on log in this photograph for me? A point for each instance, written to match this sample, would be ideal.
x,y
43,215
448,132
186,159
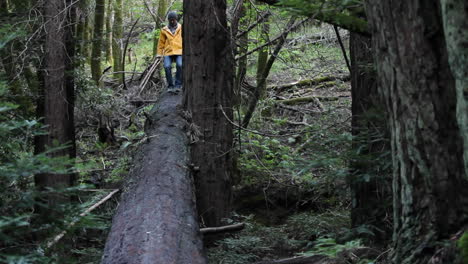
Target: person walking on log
x,y
170,47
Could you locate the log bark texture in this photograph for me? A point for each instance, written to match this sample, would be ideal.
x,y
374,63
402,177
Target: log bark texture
x,y
156,221
56,101
430,188
208,72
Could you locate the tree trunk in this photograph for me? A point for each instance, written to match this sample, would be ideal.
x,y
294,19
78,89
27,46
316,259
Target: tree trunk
x,y
156,221
97,40
81,27
109,20
57,106
263,59
454,14
370,183
4,6
243,44
430,188
208,81
88,34
266,71
117,40
162,9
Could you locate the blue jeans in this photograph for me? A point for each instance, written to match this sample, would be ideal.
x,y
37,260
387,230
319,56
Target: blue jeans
x,y
168,60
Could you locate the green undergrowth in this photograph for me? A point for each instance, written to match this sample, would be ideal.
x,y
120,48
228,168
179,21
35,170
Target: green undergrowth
x,y
303,234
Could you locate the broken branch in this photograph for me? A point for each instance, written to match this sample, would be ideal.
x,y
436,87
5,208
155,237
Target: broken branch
x,y
96,205
222,229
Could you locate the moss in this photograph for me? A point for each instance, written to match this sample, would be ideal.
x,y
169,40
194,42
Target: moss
x,y
463,246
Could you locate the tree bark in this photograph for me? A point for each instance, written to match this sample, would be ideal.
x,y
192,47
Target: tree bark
x,y
454,14
80,35
88,34
57,103
208,76
162,9
430,188
262,59
242,43
97,40
109,21
370,184
156,221
117,40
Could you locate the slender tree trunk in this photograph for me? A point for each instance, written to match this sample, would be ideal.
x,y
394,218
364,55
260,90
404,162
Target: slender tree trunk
x,y
81,27
162,10
109,20
455,14
243,45
263,59
98,37
257,94
370,184
117,40
88,36
208,82
430,188
58,93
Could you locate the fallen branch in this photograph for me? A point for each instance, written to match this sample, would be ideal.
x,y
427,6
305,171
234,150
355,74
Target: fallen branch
x,y
309,82
318,259
250,130
222,229
140,102
149,73
96,205
307,99
293,123
300,110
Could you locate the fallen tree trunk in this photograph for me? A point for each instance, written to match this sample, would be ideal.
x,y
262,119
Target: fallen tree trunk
x,y
156,221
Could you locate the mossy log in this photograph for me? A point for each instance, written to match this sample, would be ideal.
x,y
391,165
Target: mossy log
x,y
309,82
156,221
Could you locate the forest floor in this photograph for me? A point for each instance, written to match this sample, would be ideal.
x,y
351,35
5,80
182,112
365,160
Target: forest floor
x,y
291,191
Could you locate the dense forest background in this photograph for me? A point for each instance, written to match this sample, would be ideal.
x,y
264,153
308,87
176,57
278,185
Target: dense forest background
x,y
333,131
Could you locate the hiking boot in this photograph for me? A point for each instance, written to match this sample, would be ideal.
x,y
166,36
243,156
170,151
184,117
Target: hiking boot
x,y
171,89
178,88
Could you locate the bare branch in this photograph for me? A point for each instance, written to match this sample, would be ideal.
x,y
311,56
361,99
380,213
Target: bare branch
x,y
96,205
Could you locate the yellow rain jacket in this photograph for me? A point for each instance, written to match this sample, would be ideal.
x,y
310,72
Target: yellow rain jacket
x,y
170,44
